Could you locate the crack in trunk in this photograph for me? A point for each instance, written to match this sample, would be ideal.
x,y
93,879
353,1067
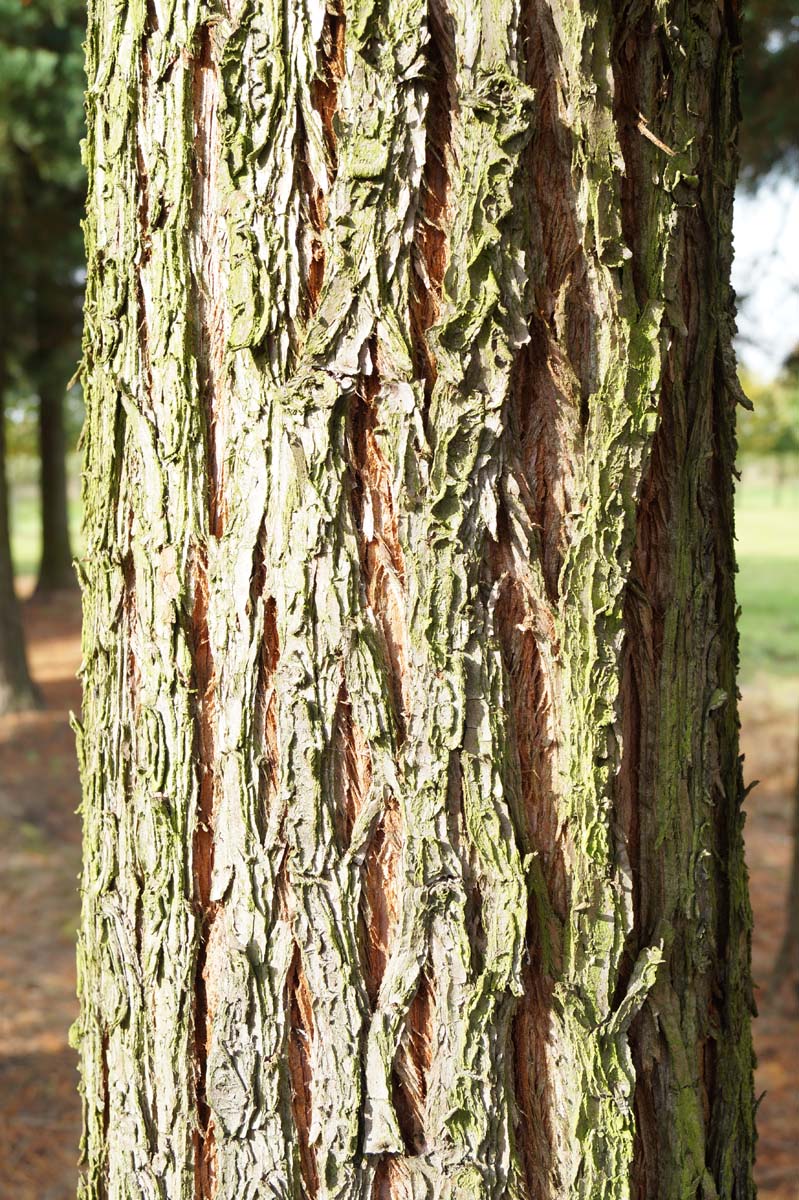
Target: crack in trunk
x,y
300,1038
430,248
382,561
379,895
324,98
412,1066
352,768
203,865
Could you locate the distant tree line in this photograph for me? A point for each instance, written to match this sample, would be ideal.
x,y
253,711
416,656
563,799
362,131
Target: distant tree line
x,y
770,428
769,149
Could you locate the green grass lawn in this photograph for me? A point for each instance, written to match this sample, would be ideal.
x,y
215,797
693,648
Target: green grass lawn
x,y
767,527
26,540
768,559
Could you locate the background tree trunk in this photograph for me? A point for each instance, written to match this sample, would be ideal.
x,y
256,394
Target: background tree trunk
x,y
786,968
55,321
413,861
56,571
17,690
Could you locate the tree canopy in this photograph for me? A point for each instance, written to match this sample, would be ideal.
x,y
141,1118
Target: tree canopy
x,y
769,136
41,187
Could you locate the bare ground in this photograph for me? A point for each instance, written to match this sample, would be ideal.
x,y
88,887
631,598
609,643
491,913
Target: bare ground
x,y
39,863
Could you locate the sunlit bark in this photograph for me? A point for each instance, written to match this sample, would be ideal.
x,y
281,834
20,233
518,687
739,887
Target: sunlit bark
x,y
413,860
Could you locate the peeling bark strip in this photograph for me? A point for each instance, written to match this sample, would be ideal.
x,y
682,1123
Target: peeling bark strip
x,y
413,862
203,864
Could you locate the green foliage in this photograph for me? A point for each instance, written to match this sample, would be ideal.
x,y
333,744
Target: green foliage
x,y
769,138
41,194
768,580
771,427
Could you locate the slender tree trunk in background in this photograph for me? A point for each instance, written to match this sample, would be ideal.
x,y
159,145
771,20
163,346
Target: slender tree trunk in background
x,y
54,316
413,858
56,571
786,968
17,691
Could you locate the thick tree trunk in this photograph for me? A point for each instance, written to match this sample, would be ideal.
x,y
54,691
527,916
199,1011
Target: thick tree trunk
x,y
17,690
413,861
55,571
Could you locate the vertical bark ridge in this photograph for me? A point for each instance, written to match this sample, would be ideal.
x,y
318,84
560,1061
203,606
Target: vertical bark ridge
x,y
143,187
210,264
607,391
210,257
137,950
466,1102
685,803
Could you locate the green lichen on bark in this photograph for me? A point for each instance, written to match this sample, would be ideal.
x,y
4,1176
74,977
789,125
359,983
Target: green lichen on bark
x,y
412,855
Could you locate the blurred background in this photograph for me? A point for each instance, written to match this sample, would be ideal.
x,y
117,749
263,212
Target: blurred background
x,y
41,278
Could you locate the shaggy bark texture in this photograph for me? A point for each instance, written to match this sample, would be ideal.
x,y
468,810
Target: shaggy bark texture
x,y
413,863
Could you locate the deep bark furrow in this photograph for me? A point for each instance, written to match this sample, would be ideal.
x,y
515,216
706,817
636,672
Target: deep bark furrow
x,y
324,97
542,835
143,210
300,1039
412,1065
210,266
382,563
430,248
266,720
351,769
380,896
204,679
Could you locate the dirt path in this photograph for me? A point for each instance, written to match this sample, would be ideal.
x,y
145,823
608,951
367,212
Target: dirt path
x,y
769,734
39,863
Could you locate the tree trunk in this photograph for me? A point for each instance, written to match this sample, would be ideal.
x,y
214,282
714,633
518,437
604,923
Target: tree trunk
x,y
413,857
786,968
55,323
17,690
55,571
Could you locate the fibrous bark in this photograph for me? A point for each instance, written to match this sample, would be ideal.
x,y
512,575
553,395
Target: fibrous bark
x,y
413,858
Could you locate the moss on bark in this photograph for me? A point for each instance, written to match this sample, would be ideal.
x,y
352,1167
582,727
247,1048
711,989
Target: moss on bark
x,y
413,863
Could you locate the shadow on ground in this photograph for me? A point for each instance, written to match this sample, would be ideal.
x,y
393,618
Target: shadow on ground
x,y
39,864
